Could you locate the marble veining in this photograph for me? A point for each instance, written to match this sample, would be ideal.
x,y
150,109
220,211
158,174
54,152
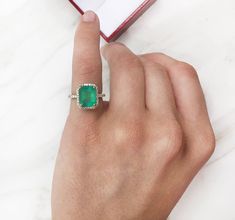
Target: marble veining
x,y
36,42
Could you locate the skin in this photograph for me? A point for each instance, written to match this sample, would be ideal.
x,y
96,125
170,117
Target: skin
x,y
133,157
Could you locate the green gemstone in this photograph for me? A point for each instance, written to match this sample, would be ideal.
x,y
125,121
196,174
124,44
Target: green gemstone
x,y
87,96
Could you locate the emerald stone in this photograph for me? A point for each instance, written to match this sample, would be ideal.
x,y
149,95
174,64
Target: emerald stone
x,y
88,96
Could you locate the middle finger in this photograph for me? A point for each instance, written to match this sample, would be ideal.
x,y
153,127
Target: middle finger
x,y
127,79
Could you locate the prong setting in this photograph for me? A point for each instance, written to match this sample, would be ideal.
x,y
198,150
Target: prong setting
x,y
94,105
87,96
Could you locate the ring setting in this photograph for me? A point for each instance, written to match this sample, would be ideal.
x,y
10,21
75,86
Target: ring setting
x,y
87,96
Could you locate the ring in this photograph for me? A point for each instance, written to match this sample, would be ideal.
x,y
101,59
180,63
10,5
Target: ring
x,y
87,96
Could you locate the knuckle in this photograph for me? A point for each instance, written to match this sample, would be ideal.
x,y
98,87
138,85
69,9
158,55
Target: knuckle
x,y
85,67
128,133
170,139
84,35
152,65
203,147
159,54
119,52
130,62
155,55
175,139
208,143
155,68
186,70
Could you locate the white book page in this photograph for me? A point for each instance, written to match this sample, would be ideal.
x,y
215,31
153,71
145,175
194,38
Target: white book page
x,y
112,13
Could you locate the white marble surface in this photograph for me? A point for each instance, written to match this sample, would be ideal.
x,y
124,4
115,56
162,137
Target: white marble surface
x,y
36,39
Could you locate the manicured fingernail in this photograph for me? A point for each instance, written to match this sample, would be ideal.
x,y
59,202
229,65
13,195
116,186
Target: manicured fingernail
x,y
89,16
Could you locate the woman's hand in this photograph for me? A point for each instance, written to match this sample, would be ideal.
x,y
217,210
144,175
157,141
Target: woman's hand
x,y
133,157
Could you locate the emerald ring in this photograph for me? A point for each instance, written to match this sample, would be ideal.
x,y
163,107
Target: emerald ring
x,y
87,96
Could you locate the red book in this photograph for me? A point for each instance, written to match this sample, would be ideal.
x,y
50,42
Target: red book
x,y
115,15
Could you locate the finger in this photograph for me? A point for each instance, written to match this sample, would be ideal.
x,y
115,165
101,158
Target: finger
x,y
159,94
191,105
127,78
86,57
188,93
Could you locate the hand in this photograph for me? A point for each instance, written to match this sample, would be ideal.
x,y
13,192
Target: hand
x,y
133,157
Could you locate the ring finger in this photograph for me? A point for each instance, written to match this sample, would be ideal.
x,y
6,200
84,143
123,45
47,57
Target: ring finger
x,y
159,93
87,60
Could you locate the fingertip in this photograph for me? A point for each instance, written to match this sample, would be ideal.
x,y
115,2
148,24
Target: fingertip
x,y
104,50
89,20
88,29
89,17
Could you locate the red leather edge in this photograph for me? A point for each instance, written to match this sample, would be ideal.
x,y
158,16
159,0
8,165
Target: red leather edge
x,y
126,24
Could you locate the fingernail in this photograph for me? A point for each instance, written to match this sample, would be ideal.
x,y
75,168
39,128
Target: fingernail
x,y
89,16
